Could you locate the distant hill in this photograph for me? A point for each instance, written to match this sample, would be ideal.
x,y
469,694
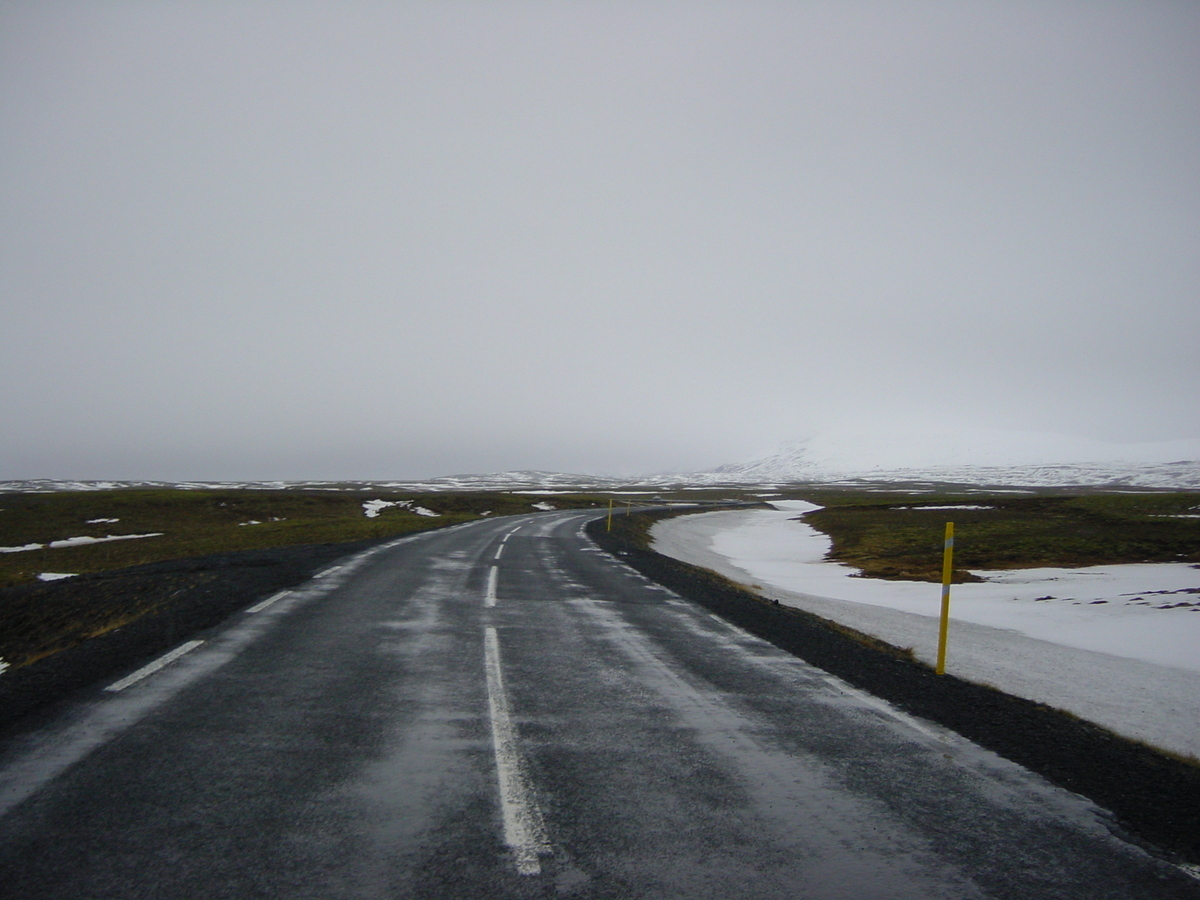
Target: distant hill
x,y
960,456
971,456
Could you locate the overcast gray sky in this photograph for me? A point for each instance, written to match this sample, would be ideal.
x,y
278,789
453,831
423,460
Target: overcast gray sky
x,y
374,240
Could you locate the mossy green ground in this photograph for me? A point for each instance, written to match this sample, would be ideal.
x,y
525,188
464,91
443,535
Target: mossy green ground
x,y
898,536
201,522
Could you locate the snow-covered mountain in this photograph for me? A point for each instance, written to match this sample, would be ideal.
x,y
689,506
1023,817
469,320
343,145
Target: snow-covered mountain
x,y
971,456
955,456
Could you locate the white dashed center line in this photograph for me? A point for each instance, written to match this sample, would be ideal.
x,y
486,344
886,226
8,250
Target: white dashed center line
x,y
489,598
259,607
153,667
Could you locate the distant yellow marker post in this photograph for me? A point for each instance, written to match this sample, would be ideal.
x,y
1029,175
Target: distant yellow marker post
x,y
609,527
947,569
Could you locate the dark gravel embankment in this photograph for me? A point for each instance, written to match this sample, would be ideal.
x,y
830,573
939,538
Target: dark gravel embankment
x,y
186,596
1155,798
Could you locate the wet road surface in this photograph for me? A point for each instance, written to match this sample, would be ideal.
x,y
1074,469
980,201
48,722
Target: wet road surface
x,y
502,710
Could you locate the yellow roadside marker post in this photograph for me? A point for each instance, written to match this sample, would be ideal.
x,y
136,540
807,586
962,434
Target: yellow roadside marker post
x,y
609,527
947,568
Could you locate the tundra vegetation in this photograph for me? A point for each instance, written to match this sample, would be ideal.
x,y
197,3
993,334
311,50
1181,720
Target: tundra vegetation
x,y
899,536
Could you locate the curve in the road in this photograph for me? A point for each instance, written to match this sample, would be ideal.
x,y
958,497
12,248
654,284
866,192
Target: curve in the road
x,y
501,709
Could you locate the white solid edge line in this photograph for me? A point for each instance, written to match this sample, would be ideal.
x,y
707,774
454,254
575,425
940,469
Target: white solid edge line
x,y
524,828
882,705
327,571
490,597
153,667
259,607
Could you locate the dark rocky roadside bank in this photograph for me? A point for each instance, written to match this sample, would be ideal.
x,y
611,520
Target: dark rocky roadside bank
x,y
187,596
1155,798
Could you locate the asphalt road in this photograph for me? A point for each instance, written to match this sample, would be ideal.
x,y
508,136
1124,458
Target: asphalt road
x,y
502,710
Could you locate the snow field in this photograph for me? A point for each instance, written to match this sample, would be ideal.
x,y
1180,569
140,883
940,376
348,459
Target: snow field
x,y
1118,645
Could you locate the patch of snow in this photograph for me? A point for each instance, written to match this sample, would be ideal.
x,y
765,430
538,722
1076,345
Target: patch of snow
x,y
251,522
372,508
959,506
80,541
1118,645
544,506
102,521
3,666
55,576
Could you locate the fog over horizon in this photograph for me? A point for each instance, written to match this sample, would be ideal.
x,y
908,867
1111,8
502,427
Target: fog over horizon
x,y
385,240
